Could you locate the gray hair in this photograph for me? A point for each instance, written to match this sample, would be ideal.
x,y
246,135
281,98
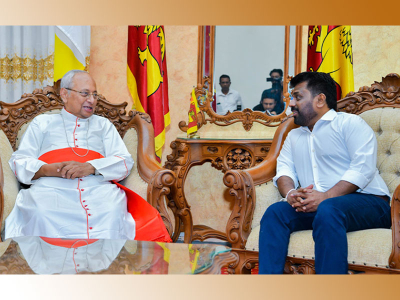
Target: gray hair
x,y
66,81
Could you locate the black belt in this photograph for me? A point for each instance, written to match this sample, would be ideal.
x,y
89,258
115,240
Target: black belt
x,y
386,198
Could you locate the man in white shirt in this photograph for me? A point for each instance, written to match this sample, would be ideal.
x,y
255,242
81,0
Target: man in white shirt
x,y
227,99
70,160
327,173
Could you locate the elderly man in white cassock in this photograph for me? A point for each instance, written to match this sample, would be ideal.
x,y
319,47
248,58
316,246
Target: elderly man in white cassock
x,y
70,159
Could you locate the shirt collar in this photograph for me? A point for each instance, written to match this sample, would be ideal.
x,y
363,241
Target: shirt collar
x,y
328,116
222,94
70,117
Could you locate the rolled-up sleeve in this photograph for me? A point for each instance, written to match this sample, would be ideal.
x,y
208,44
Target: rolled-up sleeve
x,y
285,164
362,148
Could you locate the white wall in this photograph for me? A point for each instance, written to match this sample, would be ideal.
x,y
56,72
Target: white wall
x,y
247,54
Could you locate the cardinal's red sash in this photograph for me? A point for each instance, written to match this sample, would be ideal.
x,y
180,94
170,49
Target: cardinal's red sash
x,y
149,225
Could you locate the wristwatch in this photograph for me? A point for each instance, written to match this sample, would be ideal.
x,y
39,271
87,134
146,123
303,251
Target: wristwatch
x,y
96,172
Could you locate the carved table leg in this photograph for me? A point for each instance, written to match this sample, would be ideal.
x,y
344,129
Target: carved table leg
x,y
179,162
239,224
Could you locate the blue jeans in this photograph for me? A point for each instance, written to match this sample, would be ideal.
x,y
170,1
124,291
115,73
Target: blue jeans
x,y
333,218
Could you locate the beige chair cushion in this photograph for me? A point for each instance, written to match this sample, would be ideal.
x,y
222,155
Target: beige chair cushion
x,y
370,247
4,246
266,194
367,247
134,181
11,184
385,122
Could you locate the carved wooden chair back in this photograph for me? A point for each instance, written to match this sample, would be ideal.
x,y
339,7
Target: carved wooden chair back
x,y
135,128
379,106
374,250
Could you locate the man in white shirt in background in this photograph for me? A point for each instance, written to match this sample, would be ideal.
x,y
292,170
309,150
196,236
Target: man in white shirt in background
x,y
227,99
327,173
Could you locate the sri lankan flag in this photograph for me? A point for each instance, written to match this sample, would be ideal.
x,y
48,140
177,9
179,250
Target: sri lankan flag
x,y
330,51
147,77
71,49
193,110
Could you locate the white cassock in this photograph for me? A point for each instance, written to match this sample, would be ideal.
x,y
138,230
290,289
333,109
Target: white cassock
x,y
85,208
80,256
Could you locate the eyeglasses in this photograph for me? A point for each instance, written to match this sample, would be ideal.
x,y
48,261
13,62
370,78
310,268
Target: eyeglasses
x,y
85,94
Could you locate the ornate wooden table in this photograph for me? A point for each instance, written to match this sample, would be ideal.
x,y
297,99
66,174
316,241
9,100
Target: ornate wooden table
x,y
224,155
35,255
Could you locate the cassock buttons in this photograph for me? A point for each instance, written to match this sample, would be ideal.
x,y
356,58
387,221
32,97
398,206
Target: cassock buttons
x,y
82,190
90,227
79,125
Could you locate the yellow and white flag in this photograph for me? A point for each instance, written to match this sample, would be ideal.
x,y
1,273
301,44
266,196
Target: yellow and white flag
x,y
71,49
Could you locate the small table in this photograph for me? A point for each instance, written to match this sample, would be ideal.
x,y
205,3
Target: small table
x,y
224,155
36,255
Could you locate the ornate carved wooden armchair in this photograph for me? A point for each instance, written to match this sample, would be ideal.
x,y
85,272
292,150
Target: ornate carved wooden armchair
x,y
147,177
370,251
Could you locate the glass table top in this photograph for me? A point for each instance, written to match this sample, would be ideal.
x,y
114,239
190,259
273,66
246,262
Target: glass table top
x,y
37,255
237,137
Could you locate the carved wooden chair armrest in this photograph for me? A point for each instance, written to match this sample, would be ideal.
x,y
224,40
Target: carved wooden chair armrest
x,y
159,179
242,185
394,260
148,172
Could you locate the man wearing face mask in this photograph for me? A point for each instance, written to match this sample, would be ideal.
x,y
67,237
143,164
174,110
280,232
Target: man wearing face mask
x,y
228,100
70,159
327,173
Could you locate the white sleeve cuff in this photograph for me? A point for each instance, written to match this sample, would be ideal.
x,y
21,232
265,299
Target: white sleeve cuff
x,y
355,178
293,177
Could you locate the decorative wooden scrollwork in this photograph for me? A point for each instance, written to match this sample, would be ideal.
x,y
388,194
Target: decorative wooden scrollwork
x,y
160,186
239,225
384,94
292,267
13,115
218,163
179,162
204,90
239,159
246,116
212,150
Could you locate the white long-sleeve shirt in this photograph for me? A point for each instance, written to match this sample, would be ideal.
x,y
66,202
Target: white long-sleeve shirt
x,y
341,147
88,207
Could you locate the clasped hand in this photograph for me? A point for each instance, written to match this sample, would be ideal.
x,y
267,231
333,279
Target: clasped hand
x,y
73,169
67,170
306,199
